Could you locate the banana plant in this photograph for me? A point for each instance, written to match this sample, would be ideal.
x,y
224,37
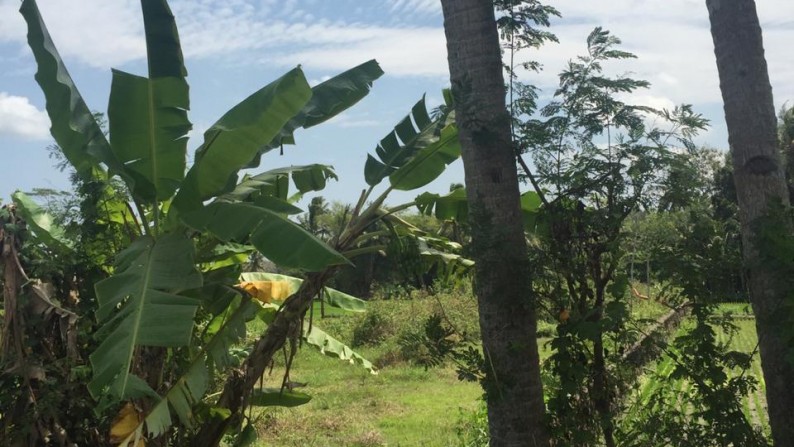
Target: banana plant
x,y
284,318
412,155
455,207
188,219
150,301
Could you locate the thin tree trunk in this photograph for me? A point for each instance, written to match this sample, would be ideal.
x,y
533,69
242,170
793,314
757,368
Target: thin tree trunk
x,y
514,392
602,396
760,182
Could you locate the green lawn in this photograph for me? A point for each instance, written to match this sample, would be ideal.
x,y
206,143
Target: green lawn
x,y
401,406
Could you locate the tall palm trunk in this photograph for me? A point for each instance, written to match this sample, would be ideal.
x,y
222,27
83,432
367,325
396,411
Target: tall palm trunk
x,y
514,391
759,178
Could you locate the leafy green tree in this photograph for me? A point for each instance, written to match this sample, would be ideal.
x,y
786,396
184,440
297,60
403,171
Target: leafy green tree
x,y
698,259
596,163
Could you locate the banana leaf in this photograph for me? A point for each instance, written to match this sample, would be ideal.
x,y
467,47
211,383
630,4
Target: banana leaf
x,y
391,153
453,206
148,116
329,98
41,222
333,297
279,239
234,140
275,182
73,126
139,306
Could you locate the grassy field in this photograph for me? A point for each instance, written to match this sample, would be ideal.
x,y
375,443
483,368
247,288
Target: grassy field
x,y
745,340
404,404
401,406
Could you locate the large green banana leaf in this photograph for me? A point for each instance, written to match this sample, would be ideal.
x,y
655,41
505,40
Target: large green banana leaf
x,y
277,205
164,52
333,297
340,92
453,206
190,388
233,142
329,98
275,183
139,306
41,222
148,116
416,152
427,164
279,239
330,346
73,125
148,127
392,153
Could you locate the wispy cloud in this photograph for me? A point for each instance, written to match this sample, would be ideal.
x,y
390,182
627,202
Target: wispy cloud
x,y
672,42
103,33
401,52
99,33
416,6
349,121
671,37
20,118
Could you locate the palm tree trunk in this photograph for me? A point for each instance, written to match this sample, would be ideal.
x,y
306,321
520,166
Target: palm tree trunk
x,y
760,182
514,392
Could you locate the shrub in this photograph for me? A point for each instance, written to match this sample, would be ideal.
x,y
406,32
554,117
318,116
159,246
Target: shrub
x,y
374,328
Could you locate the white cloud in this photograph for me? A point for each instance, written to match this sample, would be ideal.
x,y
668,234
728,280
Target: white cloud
x,y
670,37
12,27
99,33
401,52
20,118
672,41
104,33
416,6
348,121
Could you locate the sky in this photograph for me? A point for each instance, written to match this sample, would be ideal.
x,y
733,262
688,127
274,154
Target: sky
x,y
234,47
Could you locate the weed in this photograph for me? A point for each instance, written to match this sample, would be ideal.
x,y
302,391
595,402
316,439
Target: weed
x,y
472,427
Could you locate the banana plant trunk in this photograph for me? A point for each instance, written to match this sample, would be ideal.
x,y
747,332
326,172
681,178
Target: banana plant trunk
x,y
240,383
760,182
514,392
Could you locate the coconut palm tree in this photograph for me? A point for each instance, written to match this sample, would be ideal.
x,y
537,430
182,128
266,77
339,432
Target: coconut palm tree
x,y
507,310
760,182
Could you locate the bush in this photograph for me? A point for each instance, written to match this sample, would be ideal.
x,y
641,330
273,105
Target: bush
x,y
375,328
430,345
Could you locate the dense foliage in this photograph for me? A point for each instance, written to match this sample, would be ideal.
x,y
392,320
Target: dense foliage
x,y
148,302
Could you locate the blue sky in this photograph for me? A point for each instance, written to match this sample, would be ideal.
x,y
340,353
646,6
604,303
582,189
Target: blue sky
x,y
234,47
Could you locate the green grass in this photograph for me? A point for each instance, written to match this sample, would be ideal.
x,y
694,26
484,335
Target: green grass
x,y
404,404
744,340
